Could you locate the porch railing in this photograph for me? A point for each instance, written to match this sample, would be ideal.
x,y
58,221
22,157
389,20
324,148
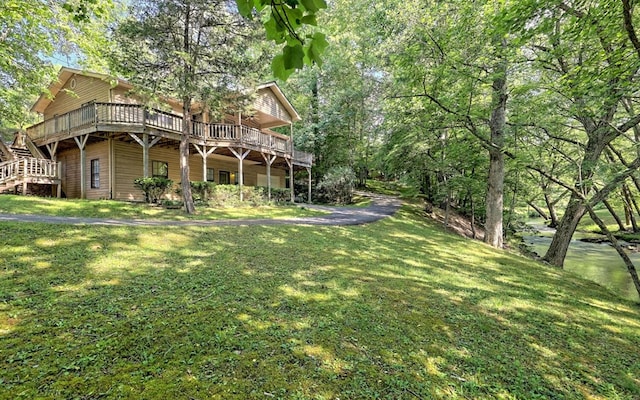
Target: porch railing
x,y
134,114
29,168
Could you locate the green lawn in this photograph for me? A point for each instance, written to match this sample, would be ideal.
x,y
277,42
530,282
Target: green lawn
x,y
398,309
129,210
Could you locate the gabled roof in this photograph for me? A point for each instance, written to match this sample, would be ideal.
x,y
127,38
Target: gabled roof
x,y
282,98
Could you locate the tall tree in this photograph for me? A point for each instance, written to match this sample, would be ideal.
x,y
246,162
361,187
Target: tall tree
x,y
196,51
467,83
31,33
582,53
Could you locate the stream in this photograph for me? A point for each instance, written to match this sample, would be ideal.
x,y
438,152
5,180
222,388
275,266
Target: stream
x,y
598,262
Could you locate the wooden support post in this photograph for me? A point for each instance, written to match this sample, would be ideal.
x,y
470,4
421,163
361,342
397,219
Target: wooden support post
x,y
111,167
241,156
268,159
145,155
146,145
290,164
309,172
204,153
81,141
52,148
25,173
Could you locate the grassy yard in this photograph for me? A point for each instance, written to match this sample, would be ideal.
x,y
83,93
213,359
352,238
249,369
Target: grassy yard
x,y
398,309
128,210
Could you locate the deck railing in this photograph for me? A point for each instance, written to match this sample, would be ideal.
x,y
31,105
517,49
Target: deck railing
x,y
134,114
29,168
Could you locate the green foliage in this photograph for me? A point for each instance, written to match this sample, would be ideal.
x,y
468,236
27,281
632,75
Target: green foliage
x,y
31,33
153,187
337,186
229,196
147,53
278,195
398,309
202,190
286,24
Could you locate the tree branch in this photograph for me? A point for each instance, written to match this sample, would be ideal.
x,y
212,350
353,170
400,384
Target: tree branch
x,y
627,13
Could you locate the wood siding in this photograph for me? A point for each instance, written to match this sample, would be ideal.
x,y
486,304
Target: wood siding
x,y
70,175
87,89
128,167
98,151
121,95
267,102
70,160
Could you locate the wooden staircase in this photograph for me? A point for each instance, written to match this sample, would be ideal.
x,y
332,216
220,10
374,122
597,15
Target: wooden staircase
x,y
23,164
17,174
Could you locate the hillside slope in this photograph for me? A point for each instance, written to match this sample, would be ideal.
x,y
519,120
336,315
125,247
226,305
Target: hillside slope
x,y
396,309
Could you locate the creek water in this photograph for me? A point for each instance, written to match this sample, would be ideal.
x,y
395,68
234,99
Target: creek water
x,y
596,261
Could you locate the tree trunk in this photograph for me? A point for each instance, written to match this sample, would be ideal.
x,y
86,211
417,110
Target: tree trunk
x,y
630,203
560,243
614,215
552,211
187,81
185,183
473,216
614,242
495,190
575,209
539,210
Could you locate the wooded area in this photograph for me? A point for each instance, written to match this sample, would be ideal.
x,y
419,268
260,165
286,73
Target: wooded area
x,y
487,107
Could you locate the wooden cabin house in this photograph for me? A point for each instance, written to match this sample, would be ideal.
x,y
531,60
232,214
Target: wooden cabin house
x,y
95,139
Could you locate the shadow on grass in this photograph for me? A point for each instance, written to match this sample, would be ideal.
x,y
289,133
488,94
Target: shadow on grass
x,y
396,309
124,210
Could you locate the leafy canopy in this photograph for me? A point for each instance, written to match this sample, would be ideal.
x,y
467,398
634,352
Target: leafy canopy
x,y
288,23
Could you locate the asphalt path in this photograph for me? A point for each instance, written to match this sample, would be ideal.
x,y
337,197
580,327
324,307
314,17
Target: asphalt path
x,y
381,207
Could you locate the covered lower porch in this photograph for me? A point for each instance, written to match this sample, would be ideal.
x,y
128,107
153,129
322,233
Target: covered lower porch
x,y
104,166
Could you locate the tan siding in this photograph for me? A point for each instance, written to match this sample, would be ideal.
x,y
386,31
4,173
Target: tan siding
x,y
121,95
128,166
70,160
99,151
87,89
251,171
268,102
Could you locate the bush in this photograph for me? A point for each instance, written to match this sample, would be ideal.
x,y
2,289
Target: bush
x,y
229,196
225,195
337,185
153,188
278,195
202,190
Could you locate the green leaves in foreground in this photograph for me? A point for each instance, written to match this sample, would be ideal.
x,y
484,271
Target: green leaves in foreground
x,y
285,25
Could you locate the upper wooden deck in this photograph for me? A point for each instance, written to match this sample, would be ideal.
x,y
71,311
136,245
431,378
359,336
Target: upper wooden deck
x,y
134,118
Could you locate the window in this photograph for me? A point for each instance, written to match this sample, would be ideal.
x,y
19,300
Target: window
x,y
95,174
210,175
224,178
160,169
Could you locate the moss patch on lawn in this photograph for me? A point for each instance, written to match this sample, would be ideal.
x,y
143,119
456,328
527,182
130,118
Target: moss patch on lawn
x,y
395,309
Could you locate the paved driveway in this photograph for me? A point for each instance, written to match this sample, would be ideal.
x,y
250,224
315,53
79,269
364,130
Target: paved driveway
x,y
381,207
